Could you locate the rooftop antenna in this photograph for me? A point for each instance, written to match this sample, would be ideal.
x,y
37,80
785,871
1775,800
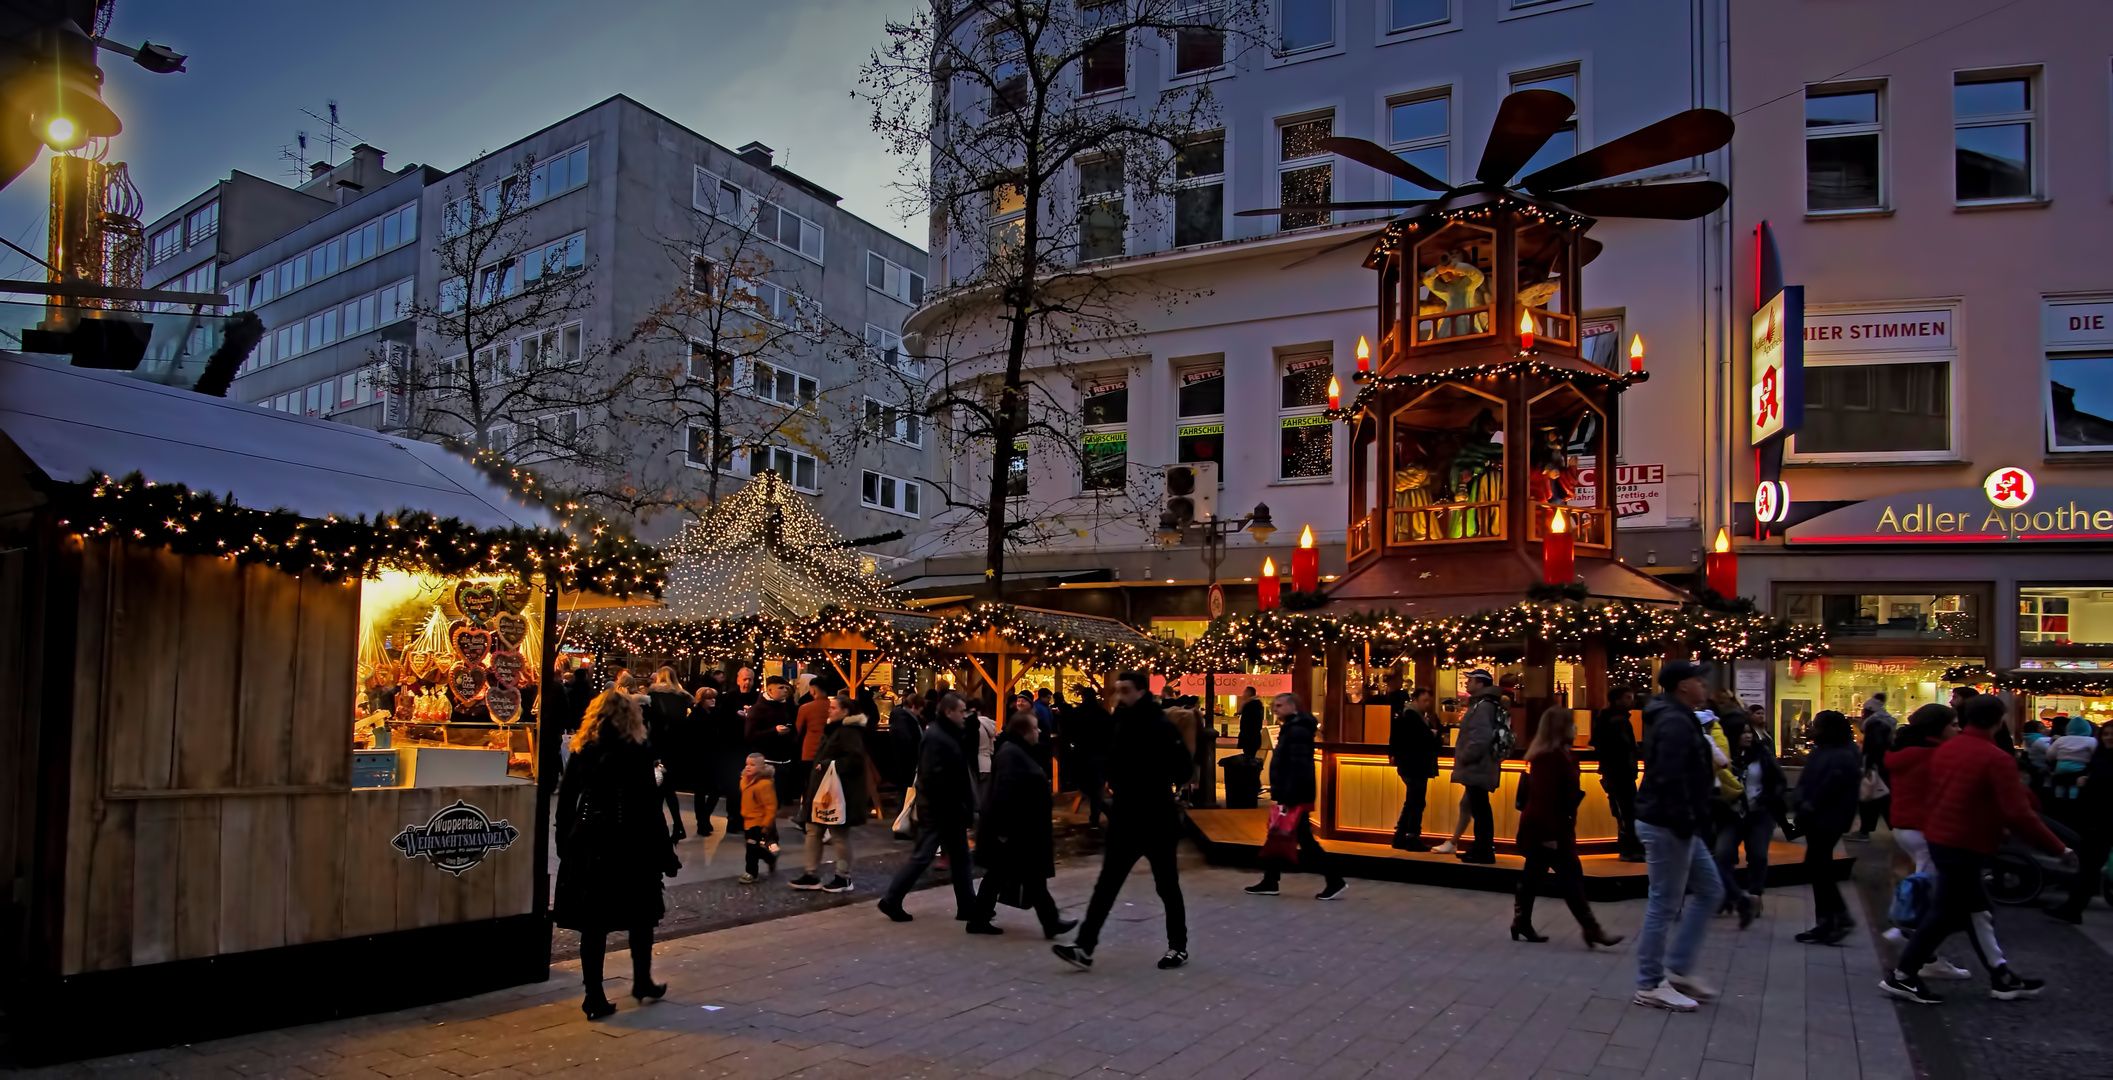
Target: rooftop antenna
x,y
335,132
296,157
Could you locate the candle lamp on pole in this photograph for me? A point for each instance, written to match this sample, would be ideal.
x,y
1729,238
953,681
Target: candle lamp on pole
x,y
1306,564
1216,534
1721,566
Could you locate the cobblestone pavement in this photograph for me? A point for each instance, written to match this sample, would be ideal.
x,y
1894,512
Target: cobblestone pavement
x,y
1395,981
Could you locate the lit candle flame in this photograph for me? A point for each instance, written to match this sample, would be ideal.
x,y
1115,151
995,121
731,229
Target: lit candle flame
x,y
1306,537
1364,354
1555,522
1723,543
1269,567
1526,328
1335,393
1636,353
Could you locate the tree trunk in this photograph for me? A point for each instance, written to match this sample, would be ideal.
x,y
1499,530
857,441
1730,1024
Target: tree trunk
x,y
1010,403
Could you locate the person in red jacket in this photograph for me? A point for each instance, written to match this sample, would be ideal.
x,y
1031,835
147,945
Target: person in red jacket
x,y
1973,796
1908,762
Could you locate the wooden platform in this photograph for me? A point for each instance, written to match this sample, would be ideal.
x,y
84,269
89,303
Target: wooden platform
x,y
1233,837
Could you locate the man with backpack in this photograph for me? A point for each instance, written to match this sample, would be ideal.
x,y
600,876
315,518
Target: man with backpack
x,y
1147,760
1478,762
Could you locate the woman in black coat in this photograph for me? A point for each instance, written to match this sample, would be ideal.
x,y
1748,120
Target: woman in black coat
x,y
1014,842
667,732
612,848
1291,786
1826,806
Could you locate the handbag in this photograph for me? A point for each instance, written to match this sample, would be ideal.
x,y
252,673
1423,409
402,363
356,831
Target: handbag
x,y
1282,842
1873,787
906,822
828,806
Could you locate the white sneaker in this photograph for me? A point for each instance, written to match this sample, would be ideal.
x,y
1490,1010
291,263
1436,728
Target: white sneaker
x,y
1446,848
1894,935
1664,996
1941,968
1691,986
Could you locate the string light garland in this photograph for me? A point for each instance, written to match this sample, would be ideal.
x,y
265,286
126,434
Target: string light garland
x,y
599,559
764,550
1372,385
2068,683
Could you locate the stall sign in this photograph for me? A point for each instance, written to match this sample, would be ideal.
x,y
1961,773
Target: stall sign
x,y
1639,493
1778,367
1965,516
457,838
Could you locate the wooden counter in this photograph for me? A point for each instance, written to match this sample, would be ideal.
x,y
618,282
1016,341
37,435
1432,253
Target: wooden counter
x,y
1361,798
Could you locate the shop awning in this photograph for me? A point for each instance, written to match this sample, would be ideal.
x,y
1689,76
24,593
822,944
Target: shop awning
x,y
71,422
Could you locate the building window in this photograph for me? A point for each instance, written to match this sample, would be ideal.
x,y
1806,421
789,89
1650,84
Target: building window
x,y
165,245
789,230
1199,195
202,223
701,270
1201,412
1863,617
1307,443
554,348
715,195
1562,144
1306,173
1107,437
1199,45
799,469
1104,67
773,302
1876,409
893,494
1010,88
2079,403
782,387
1417,15
1016,471
1305,24
558,174
2072,622
1843,129
1008,219
887,276
1101,214
895,423
559,257
1993,138
887,348
1419,130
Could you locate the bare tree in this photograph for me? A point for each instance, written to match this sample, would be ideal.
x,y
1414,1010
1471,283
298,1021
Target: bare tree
x,y
1021,136
728,355
506,364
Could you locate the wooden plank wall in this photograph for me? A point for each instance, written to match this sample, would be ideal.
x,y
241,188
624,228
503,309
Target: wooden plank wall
x,y
212,809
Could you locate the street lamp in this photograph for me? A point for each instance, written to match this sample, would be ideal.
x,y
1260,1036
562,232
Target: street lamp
x,y
1217,534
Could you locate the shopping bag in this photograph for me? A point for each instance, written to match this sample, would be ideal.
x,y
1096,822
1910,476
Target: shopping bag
x,y
828,808
1874,786
906,822
1283,839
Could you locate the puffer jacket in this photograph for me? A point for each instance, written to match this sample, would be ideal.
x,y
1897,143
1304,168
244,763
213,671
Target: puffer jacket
x,y
1679,774
1291,767
1475,761
1910,784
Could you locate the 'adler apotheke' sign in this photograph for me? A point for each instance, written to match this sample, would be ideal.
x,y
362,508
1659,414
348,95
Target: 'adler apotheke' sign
x,y
2006,509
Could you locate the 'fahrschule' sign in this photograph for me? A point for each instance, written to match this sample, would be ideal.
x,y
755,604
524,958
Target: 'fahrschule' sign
x,y
1963,515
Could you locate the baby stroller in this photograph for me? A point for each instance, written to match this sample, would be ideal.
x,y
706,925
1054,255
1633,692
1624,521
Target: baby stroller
x,y
2018,872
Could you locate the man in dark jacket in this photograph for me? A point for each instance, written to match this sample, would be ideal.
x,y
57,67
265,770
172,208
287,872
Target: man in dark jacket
x,y
770,731
1673,820
905,739
1614,740
1291,786
1088,731
946,805
1253,714
1413,748
1147,759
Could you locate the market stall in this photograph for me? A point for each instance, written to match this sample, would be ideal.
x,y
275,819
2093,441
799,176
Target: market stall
x,y
214,800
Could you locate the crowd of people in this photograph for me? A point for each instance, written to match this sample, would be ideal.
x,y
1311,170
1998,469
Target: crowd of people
x,y
1698,798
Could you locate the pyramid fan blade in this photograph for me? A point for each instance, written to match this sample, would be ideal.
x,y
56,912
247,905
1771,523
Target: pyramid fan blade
x,y
1379,157
1588,249
1315,208
1685,135
1524,123
1672,202
1363,238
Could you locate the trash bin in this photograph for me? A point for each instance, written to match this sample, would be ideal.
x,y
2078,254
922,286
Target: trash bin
x,y
1243,781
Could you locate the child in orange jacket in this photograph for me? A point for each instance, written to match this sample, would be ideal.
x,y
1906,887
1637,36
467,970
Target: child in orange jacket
x,y
759,809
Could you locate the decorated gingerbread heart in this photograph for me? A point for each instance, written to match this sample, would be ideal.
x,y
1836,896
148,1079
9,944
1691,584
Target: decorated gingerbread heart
x,y
503,702
472,644
506,667
466,682
477,600
511,629
513,596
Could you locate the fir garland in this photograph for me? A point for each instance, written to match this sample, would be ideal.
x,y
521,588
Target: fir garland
x,y
2077,683
1526,365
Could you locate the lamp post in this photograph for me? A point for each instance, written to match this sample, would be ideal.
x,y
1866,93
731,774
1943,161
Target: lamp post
x,y
1217,534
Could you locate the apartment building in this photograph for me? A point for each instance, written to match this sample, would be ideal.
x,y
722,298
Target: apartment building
x,y
1942,198
1237,371
187,246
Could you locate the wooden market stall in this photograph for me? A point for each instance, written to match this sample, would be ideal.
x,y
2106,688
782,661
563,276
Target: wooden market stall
x,y
212,823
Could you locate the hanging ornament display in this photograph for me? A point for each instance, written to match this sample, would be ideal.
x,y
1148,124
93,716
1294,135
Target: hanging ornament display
x,y
514,596
509,629
472,644
477,600
502,701
506,669
466,683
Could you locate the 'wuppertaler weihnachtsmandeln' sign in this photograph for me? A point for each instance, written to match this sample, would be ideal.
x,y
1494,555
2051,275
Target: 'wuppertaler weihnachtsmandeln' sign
x,y
1963,515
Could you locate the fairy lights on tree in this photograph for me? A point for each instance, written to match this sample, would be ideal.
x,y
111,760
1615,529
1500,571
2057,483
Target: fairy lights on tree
x,y
764,551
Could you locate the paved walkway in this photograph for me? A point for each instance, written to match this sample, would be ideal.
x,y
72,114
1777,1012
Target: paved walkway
x,y
1395,981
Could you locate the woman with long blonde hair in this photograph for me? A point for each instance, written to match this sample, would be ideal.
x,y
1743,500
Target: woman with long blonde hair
x,y
613,846
1548,828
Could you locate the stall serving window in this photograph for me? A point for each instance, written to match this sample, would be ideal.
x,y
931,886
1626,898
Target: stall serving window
x,y
1569,437
1448,468
448,674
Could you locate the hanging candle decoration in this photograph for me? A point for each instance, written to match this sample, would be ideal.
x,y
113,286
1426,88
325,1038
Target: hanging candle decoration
x,y
1558,550
1335,393
1269,591
1364,355
1636,354
1526,330
1306,564
1721,566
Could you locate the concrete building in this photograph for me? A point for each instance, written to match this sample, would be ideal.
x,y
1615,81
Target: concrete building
x,y
1236,371
187,246
335,294
1941,198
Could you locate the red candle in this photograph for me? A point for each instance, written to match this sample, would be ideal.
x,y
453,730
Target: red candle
x,y
1558,551
1269,592
1721,566
1306,564
1636,353
1526,330
1335,393
1364,355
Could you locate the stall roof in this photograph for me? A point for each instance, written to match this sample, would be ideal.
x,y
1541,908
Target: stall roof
x,y
71,422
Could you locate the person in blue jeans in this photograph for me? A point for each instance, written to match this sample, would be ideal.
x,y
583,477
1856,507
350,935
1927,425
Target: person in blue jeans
x,y
1673,821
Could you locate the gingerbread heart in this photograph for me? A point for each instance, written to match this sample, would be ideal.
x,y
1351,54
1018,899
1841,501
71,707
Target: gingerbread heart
x,y
466,682
506,668
472,644
503,702
510,628
513,596
477,600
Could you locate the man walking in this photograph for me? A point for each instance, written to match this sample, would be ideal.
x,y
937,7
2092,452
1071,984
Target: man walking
x,y
1148,759
768,729
1478,762
1973,797
946,804
1672,819
1413,748
1614,740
